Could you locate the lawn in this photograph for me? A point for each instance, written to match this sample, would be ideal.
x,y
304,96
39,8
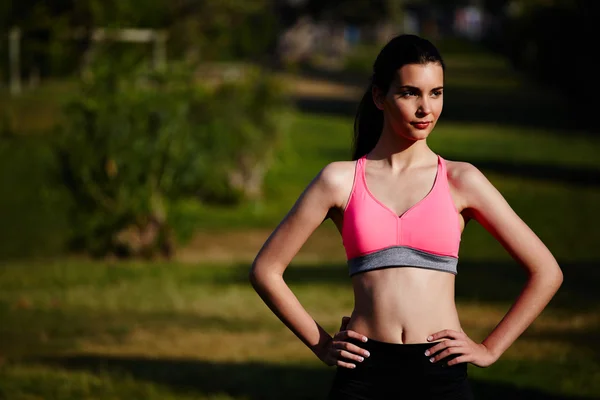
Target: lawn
x,y
77,329
74,330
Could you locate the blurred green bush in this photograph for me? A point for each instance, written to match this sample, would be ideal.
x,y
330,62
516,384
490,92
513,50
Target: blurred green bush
x,y
134,141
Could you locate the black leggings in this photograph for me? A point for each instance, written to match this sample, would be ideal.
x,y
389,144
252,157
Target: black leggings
x,y
400,371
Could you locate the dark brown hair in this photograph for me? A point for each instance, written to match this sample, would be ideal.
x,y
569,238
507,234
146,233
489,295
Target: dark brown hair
x,y
401,50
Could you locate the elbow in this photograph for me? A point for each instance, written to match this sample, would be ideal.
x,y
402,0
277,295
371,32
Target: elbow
x,y
259,275
253,276
558,278
556,282
553,279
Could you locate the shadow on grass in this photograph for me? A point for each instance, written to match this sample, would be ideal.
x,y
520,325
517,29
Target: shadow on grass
x,y
252,380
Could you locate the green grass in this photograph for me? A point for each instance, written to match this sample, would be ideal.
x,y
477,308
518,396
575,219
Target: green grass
x,y
174,331
74,329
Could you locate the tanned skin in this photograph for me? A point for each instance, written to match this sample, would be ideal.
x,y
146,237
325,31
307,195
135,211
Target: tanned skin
x,y
405,305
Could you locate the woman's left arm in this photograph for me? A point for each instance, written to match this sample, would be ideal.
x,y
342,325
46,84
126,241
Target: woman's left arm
x,y
482,202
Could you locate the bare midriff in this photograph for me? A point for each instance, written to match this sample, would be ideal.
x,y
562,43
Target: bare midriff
x,y
403,304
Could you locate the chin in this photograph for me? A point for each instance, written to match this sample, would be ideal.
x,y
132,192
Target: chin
x,y
419,135
411,133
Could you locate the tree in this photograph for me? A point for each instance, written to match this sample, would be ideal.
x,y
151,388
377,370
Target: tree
x,y
135,142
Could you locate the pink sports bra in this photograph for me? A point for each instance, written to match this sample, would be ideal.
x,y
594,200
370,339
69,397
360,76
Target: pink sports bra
x,y
427,235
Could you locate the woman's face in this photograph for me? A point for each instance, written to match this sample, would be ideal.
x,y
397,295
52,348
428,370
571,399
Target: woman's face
x,y
414,100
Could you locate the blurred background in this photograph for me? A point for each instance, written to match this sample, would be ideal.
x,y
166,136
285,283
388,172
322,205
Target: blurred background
x,y
148,148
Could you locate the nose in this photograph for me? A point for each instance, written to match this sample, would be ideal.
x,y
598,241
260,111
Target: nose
x,y
424,107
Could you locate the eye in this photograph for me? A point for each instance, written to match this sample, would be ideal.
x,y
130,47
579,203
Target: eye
x,y
407,93
437,93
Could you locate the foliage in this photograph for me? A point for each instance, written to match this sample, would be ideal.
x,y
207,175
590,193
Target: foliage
x,y
224,30
135,141
56,35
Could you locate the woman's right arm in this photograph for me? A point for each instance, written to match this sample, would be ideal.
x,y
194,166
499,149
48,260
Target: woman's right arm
x,y
325,192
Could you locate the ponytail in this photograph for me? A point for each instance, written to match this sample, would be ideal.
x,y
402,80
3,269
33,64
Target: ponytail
x,y
368,125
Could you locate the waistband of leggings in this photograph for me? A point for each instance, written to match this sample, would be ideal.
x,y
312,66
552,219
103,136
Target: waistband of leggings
x,y
400,357
399,348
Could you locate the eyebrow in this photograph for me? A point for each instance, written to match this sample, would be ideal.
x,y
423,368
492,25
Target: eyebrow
x,y
416,88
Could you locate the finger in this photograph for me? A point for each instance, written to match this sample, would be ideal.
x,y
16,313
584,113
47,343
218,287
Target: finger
x,y
343,364
345,321
343,335
449,351
352,348
350,356
446,333
443,345
460,359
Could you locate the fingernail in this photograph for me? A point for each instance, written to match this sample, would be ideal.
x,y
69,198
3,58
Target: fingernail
x,y
429,338
364,339
431,359
367,354
361,359
426,352
352,366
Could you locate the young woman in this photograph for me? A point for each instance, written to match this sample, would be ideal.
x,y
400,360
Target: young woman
x,y
400,209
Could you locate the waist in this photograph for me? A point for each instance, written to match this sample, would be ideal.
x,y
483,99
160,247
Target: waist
x,y
403,305
405,330
406,359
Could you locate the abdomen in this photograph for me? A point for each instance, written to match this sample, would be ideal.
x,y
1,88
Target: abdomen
x,y
403,304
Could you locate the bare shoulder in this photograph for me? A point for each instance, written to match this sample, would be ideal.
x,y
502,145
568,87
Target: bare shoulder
x,y
464,176
472,188
337,177
337,173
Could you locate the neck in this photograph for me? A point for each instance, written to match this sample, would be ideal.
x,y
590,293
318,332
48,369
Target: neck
x,y
400,152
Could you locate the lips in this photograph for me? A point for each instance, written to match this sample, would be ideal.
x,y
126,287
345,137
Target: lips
x,y
421,125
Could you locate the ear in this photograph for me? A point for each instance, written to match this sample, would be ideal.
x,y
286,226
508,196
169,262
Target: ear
x,y
378,97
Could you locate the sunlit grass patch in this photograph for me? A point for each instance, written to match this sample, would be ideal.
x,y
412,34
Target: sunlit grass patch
x,y
161,317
